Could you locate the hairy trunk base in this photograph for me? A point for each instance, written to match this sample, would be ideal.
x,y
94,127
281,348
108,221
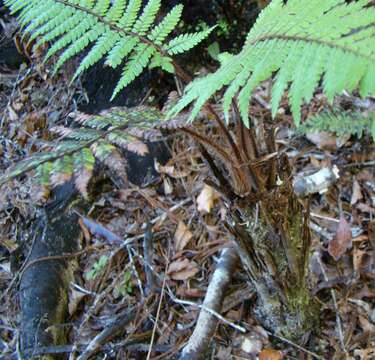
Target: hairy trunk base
x,y
274,241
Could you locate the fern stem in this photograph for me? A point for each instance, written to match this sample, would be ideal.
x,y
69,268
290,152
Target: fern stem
x,y
331,44
113,26
33,165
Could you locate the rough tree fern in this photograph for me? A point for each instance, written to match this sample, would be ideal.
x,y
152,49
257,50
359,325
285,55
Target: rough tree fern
x,y
118,30
300,42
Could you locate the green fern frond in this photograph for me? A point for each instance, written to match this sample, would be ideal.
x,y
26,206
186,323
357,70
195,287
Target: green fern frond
x,y
96,139
340,123
186,42
301,42
115,30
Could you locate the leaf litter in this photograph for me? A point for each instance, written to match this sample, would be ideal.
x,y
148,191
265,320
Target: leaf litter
x,y
187,238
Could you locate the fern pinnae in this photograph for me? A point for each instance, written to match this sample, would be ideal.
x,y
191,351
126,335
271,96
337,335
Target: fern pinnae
x,y
129,18
122,49
147,18
323,38
102,6
185,42
77,46
101,47
116,29
134,67
168,24
116,11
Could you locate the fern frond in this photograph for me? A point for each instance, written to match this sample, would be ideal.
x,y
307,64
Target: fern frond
x,y
301,42
116,30
340,122
186,42
96,139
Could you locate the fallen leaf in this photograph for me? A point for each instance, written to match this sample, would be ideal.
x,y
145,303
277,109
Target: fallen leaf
x,y
342,240
170,171
366,208
75,298
356,193
182,269
182,236
365,354
271,354
251,346
206,199
138,147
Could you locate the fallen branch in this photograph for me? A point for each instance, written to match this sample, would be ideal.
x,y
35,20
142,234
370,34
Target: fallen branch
x,y
110,331
206,324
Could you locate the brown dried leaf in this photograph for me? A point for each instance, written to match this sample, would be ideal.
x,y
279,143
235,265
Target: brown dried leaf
x,y
170,171
356,194
58,178
75,298
271,354
206,199
366,208
365,354
342,240
82,179
182,269
138,147
182,236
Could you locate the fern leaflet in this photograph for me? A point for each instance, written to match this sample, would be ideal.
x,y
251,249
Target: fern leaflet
x,y
96,140
340,123
301,42
115,30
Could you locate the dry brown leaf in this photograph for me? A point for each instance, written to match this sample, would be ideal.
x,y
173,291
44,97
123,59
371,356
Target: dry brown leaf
x,y
327,141
206,199
342,240
271,354
357,193
138,147
75,298
81,180
182,269
182,236
366,208
170,171
365,354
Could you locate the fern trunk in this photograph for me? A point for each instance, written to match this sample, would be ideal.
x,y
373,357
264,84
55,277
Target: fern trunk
x,y
270,226
273,241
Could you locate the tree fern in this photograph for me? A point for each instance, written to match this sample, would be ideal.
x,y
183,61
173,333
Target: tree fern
x,y
300,42
97,139
340,123
116,30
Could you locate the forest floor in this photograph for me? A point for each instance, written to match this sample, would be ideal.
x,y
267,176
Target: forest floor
x,y
187,235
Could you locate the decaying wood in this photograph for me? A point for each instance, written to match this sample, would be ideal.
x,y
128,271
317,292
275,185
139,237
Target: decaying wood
x,y
206,324
44,284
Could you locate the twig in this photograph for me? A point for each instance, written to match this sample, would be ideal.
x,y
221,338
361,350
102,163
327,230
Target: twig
x,y
109,332
334,299
206,323
148,256
160,300
202,307
312,354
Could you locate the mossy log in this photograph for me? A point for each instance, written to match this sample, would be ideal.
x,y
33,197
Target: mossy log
x,y
45,282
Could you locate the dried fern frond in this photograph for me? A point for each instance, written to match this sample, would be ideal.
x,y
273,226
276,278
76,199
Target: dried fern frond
x,y
121,31
97,139
301,42
340,123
